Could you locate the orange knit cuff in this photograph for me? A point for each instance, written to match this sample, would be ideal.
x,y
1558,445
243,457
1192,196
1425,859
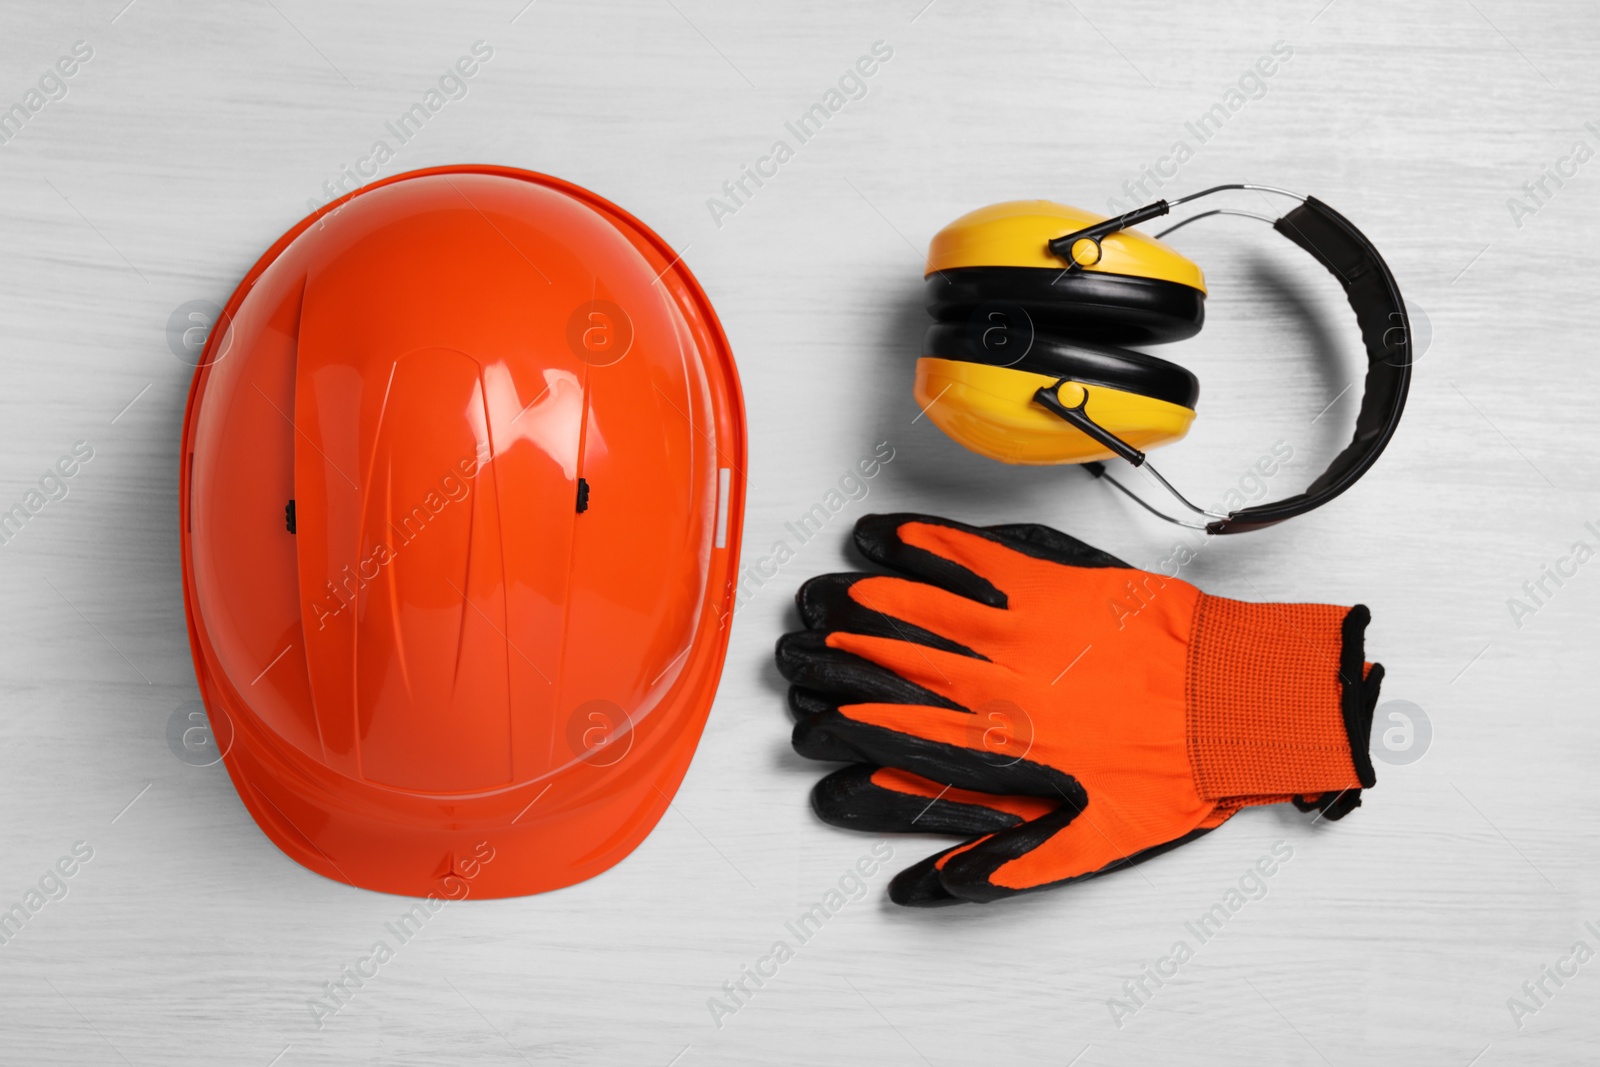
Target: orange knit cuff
x,y
1278,702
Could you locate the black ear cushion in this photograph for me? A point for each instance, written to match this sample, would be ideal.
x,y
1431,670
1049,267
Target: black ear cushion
x,y
1110,308
1042,353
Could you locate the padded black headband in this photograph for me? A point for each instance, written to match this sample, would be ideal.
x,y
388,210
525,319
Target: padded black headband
x,y
1386,332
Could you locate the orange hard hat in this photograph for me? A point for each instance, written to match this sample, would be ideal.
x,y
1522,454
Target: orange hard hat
x,y
462,483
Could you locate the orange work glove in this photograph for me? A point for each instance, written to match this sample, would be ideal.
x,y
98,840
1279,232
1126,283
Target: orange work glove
x,y
1071,714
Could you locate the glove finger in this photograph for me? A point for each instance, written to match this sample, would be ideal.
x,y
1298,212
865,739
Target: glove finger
x,y
961,681
918,886
1048,543
886,800
803,702
933,742
965,559
880,606
806,659
879,539
891,606
1067,845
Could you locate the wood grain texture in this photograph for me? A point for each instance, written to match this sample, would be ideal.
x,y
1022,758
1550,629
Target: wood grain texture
x,y
197,133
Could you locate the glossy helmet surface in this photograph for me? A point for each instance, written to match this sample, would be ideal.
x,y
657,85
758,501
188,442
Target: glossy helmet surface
x,y
461,497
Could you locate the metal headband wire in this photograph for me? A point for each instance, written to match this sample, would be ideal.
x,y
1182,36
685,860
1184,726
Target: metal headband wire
x,y
1098,470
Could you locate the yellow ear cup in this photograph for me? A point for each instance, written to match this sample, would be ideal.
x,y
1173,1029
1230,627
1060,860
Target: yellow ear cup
x,y
991,410
1014,234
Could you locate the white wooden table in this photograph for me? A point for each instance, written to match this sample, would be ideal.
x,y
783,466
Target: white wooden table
x,y
193,135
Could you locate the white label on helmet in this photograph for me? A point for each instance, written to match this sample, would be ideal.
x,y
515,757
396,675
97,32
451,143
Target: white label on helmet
x,y
724,479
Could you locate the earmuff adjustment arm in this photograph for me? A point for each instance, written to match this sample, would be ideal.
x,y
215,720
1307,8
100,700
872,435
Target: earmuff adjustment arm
x,y
1047,397
1063,246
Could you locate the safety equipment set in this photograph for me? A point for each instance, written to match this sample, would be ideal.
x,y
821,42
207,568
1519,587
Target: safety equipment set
x,y
435,647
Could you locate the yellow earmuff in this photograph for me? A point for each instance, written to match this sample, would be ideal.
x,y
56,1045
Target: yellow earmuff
x,y
1018,234
991,410
1012,318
